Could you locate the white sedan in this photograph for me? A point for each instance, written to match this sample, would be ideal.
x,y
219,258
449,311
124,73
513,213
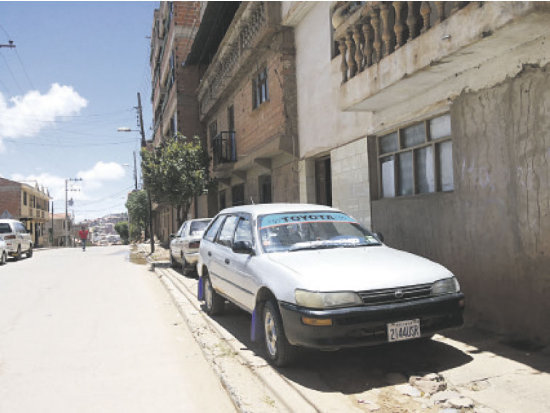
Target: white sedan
x,y
312,276
184,246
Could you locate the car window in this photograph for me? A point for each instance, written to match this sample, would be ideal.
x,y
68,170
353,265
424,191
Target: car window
x,y
180,231
312,230
4,228
228,230
244,232
20,228
197,227
213,230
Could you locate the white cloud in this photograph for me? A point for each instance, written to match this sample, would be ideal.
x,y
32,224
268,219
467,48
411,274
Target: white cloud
x,y
89,189
26,116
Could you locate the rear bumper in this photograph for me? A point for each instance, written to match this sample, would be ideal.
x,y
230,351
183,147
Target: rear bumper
x,y
191,257
363,326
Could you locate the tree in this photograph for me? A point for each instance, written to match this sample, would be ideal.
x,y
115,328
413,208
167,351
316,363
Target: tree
x,y
176,171
138,213
122,229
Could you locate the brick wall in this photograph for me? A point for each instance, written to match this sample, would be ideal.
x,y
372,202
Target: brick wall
x,y
10,197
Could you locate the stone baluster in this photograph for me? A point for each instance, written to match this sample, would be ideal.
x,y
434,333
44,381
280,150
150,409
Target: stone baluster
x,y
367,35
377,43
425,11
352,67
398,27
412,21
343,65
440,5
359,47
386,29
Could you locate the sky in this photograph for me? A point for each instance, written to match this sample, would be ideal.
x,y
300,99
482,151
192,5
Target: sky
x,y
68,85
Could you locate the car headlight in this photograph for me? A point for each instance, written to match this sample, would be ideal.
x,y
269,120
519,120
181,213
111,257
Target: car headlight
x,y
315,299
446,286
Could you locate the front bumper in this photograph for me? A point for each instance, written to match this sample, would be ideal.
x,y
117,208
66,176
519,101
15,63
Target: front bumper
x,y
367,325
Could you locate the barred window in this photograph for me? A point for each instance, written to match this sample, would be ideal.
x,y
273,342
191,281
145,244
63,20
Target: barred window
x,y
416,159
260,93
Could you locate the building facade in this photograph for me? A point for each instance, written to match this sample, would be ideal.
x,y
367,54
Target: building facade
x,y
28,204
175,107
428,121
247,104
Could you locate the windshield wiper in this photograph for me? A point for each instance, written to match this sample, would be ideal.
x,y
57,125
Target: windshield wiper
x,y
310,245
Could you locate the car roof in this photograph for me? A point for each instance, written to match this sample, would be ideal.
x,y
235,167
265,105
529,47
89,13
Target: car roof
x,y
6,221
262,209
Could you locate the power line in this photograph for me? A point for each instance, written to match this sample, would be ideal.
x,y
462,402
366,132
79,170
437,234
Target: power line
x,y
11,73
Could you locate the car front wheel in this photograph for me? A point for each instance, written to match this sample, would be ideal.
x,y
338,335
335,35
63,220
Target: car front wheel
x,y
172,260
29,252
18,253
214,302
278,350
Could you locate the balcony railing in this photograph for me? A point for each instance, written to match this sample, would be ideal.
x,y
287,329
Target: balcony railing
x,y
223,148
367,32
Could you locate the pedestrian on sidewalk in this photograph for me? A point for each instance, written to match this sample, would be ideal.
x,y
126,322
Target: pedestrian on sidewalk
x,y
83,234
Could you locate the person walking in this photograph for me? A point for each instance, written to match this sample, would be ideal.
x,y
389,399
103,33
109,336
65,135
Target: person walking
x,y
83,234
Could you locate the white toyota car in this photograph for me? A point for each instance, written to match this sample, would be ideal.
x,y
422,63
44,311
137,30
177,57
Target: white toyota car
x,y
17,238
312,276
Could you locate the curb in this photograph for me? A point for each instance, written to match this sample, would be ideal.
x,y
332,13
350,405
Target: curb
x,y
287,396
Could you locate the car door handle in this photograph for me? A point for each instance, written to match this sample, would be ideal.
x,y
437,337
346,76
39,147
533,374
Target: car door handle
x,y
209,254
227,261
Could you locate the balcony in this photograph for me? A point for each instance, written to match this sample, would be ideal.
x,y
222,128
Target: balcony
x,y
223,148
250,29
393,53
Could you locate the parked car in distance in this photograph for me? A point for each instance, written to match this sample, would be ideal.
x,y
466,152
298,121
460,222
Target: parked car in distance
x,y
312,276
184,246
3,252
17,238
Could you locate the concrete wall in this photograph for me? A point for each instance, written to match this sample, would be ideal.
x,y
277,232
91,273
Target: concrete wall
x,y
493,230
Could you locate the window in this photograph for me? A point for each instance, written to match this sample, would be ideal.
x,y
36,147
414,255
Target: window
x,y
416,159
265,189
237,195
228,230
243,232
260,93
24,198
231,119
213,230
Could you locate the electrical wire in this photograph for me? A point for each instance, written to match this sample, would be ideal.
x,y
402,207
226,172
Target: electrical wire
x,y
11,73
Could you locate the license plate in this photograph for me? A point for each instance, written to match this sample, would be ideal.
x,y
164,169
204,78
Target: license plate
x,y
404,330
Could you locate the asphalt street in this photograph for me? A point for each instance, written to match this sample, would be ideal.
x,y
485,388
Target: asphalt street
x,y
92,332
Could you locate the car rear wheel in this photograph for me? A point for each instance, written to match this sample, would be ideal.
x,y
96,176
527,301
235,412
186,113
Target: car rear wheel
x,y
3,258
278,350
214,302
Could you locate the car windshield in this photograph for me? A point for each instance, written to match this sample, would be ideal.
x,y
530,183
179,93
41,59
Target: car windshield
x,y
197,227
4,228
312,230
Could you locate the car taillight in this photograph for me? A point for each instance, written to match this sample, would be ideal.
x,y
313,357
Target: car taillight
x,y
9,237
194,244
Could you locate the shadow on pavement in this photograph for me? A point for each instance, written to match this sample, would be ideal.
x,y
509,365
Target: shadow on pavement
x,y
351,371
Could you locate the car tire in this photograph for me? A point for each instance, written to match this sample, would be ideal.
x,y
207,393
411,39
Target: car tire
x,y
18,253
184,265
29,252
3,258
278,350
214,302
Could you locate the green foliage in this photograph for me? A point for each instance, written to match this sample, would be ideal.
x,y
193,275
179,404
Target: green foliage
x,y
138,212
176,171
122,229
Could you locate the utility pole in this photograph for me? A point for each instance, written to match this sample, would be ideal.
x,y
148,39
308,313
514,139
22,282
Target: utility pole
x,y
143,145
135,172
66,206
53,238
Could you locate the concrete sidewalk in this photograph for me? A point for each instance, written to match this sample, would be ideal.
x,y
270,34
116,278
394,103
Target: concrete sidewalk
x,y
497,377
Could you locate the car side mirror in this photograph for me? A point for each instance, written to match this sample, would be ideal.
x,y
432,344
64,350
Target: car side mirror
x,y
172,236
243,247
379,236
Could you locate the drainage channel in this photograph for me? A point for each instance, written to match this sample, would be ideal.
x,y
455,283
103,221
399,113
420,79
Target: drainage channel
x,y
251,382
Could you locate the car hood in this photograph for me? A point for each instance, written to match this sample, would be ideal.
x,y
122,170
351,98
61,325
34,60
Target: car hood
x,y
357,269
